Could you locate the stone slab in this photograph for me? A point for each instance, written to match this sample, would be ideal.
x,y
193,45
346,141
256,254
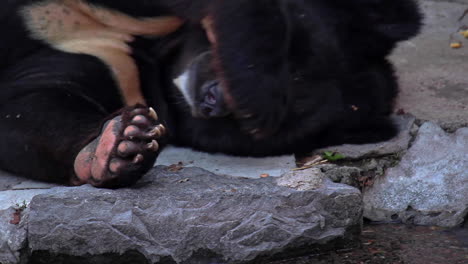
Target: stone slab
x,y
14,198
227,165
194,216
9,181
12,237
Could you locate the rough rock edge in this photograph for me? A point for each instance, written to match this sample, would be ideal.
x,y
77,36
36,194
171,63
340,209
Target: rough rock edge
x,y
13,236
344,197
452,216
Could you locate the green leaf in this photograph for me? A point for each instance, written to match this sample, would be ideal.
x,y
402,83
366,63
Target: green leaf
x,y
333,156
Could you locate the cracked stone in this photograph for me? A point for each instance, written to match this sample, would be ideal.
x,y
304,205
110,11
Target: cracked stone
x,y
193,216
12,236
429,186
302,180
342,174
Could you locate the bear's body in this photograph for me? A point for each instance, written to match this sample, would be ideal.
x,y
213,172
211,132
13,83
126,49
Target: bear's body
x,y
296,75
329,58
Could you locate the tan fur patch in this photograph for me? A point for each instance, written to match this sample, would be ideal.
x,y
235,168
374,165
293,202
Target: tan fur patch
x,y
208,25
75,26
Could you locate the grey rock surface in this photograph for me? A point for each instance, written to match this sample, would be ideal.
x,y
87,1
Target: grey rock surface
x,y
12,237
429,186
193,216
342,174
7,180
395,145
14,198
227,165
12,182
302,180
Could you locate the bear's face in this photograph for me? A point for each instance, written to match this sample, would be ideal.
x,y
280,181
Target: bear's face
x,y
289,76
204,90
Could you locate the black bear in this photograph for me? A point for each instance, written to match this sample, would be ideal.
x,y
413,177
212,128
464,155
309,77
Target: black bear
x,y
244,77
290,76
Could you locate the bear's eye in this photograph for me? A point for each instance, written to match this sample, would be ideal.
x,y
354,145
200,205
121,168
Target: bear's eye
x,y
210,98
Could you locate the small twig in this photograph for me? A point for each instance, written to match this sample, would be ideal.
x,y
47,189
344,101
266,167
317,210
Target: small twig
x,y
464,14
311,165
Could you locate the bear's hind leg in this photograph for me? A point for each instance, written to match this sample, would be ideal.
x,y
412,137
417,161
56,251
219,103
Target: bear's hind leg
x,y
124,150
56,123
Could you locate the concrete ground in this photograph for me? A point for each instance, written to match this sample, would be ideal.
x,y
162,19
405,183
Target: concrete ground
x,y
434,76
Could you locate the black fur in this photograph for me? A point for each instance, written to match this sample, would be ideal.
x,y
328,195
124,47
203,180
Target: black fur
x,y
302,75
297,75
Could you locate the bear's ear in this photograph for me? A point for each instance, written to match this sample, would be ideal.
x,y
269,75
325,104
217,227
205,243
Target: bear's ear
x,y
250,40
